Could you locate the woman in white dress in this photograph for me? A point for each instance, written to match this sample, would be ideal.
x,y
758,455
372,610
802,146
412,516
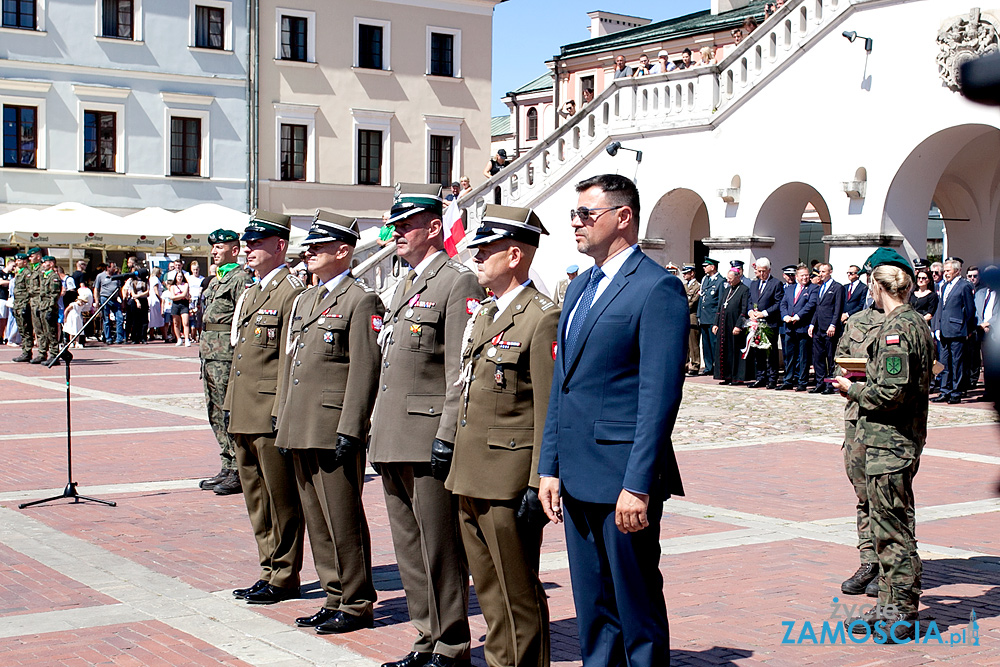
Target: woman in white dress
x,y
156,322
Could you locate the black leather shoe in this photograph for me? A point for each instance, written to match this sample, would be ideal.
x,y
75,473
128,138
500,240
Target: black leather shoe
x,y
270,594
724,382
243,592
818,389
871,590
857,624
900,628
704,372
785,387
209,484
829,389
414,659
22,358
954,400
231,484
341,623
858,582
320,617
759,384
438,660
940,398
772,385
42,358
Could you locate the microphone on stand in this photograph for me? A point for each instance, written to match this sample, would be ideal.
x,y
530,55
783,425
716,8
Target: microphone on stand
x,y
141,274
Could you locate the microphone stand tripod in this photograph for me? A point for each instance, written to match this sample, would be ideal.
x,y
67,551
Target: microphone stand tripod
x,y
66,357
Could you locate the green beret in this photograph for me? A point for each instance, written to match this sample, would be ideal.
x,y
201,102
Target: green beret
x,y
886,256
48,258
35,251
223,236
20,255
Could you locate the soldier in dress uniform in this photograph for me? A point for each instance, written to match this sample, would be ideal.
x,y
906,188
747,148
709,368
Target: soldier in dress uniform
x,y
216,350
892,422
507,375
693,290
22,305
258,335
417,412
712,286
858,333
572,271
46,309
330,381
34,294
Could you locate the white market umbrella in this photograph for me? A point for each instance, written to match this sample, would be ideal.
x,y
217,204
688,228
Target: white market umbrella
x,y
18,225
192,226
77,225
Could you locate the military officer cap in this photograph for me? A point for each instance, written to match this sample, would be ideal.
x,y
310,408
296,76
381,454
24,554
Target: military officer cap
x,y
886,256
737,264
790,270
687,268
709,260
48,258
508,222
572,268
814,272
413,198
264,224
329,226
20,255
954,259
35,251
920,263
223,236
672,267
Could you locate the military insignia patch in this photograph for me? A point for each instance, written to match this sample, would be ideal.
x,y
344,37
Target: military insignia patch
x,y
555,348
376,323
415,330
327,336
272,333
256,332
470,305
892,340
893,365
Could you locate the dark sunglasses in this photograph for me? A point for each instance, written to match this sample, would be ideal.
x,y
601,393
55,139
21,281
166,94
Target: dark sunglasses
x,y
586,214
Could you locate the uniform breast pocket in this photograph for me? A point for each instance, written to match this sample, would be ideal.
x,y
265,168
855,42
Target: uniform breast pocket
x,y
510,438
506,372
333,338
420,330
265,330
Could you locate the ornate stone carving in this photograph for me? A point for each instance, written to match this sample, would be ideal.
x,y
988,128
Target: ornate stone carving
x,y
963,38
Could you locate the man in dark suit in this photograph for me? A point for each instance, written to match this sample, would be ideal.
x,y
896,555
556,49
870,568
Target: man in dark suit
x,y
607,463
855,293
797,306
825,327
712,286
765,307
954,320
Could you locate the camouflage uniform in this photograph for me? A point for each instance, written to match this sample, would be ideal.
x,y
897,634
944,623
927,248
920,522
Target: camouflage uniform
x,y
22,309
49,289
34,295
854,344
216,352
892,422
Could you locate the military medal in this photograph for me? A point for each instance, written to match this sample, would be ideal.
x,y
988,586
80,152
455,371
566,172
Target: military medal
x,y
498,376
259,318
409,313
327,336
415,330
321,320
272,333
492,352
256,332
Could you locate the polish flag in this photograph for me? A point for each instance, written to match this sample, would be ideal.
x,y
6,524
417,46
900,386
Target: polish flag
x,y
454,228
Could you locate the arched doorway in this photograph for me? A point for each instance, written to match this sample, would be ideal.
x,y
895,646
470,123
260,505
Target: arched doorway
x,y
675,228
797,218
958,170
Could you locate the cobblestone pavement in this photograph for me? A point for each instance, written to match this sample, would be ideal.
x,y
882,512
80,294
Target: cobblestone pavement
x,y
753,555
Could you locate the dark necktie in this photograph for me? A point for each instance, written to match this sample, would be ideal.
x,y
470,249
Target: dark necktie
x,y
586,301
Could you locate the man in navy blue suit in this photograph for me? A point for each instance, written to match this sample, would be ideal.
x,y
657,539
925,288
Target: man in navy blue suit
x,y
607,463
765,307
855,293
954,320
797,308
826,327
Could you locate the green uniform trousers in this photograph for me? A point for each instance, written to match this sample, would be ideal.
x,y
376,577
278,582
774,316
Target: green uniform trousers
x,y
893,528
25,326
854,464
215,378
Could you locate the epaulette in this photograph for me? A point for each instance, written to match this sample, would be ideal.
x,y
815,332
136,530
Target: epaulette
x,y
544,302
294,281
458,266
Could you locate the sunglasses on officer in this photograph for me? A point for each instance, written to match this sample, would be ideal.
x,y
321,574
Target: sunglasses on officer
x,y
586,214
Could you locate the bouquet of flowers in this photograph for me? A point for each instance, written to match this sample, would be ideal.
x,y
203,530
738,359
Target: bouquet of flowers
x,y
760,335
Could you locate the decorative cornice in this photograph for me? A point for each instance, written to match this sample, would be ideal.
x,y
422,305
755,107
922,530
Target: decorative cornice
x,y
187,98
863,240
101,92
24,86
652,244
738,242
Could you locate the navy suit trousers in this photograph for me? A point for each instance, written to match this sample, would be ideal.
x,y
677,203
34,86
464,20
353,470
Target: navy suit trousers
x,y
617,587
709,347
823,349
797,354
953,360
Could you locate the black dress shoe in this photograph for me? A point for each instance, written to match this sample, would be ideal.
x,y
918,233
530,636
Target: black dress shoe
x,y
785,387
438,660
772,385
320,617
725,382
940,398
270,594
818,389
209,483
758,384
830,389
705,372
801,387
414,659
243,592
341,623
954,400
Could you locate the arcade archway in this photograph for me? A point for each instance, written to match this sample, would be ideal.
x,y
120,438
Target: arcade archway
x,y
675,228
797,217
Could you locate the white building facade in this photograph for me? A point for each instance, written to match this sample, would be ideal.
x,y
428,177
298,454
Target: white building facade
x,y
124,104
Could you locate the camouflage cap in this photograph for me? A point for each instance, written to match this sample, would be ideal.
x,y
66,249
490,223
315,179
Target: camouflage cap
x,y
223,236
886,256
264,224
412,198
508,222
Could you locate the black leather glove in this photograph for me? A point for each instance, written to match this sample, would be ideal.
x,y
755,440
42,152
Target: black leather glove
x,y
441,453
530,513
376,468
225,419
274,424
346,447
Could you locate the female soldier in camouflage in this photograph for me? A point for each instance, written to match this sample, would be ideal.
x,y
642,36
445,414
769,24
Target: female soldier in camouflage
x,y
893,425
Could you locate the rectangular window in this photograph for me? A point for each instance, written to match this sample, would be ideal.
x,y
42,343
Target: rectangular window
x,y
118,15
185,146
370,46
293,152
441,160
294,30
210,27
442,54
99,140
20,136
369,157
19,14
